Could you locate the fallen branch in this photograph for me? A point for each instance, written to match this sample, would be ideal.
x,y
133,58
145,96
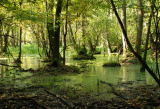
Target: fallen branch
x,y
8,65
57,96
111,85
26,98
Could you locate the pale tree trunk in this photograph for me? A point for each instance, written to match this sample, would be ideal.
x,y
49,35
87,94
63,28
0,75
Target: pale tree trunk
x,y
83,30
109,50
140,27
75,46
123,17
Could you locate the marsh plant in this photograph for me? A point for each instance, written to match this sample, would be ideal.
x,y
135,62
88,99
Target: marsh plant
x,y
27,48
113,60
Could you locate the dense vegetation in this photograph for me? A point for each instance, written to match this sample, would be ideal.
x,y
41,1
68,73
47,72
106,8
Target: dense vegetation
x,y
128,28
82,25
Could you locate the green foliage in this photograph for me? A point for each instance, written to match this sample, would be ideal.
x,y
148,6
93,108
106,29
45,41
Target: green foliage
x,y
113,61
75,68
83,51
83,57
26,49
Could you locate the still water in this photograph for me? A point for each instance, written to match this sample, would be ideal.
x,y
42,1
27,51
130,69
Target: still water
x,y
87,81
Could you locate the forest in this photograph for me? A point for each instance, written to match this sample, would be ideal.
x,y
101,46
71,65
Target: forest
x,y
79,54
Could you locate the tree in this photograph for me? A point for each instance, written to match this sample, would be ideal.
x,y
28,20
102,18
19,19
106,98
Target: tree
x,y
50,26
65,34
57,34
123,17
156,78
20,37
140,26
148,33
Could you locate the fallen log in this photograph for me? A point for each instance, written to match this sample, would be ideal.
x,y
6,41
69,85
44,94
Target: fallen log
x,y
64,101
26,99
111,85
8,65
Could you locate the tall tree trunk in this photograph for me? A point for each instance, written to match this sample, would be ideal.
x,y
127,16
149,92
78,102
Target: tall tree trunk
x,y
91,48
140,27
44,44
1,33
6,41
153,44
131,48
83,31
57,32
75,46
13,39
123,17
148,33
109,49
20,37
50,28
65,34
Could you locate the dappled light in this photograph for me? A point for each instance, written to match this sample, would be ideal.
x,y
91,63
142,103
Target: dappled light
x,y
79,54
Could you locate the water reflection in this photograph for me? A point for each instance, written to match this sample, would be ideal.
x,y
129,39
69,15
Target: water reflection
x,y
87,81
12,75
129,75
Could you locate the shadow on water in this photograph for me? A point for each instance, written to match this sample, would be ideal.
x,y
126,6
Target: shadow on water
x,y
88,81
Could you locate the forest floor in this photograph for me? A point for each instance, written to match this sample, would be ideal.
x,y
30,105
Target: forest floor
x,y
39,97
142,97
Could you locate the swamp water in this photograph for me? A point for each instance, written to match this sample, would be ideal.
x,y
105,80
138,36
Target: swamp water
x,y
88,81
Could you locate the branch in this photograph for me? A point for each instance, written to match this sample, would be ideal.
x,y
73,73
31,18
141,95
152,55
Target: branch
x,y
66,102
8,65
111,85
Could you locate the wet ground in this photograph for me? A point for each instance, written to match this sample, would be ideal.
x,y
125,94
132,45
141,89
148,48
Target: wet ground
x,y
95,87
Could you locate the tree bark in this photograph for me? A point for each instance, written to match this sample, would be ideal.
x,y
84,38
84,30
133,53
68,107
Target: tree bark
x,y
140,27
1,38
64,49
57,31
50,28
6,41
20,37
75,46
123,17
83,30
109,49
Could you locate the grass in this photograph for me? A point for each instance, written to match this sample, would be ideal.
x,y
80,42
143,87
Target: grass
x,y
26,49
113,61
46,80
